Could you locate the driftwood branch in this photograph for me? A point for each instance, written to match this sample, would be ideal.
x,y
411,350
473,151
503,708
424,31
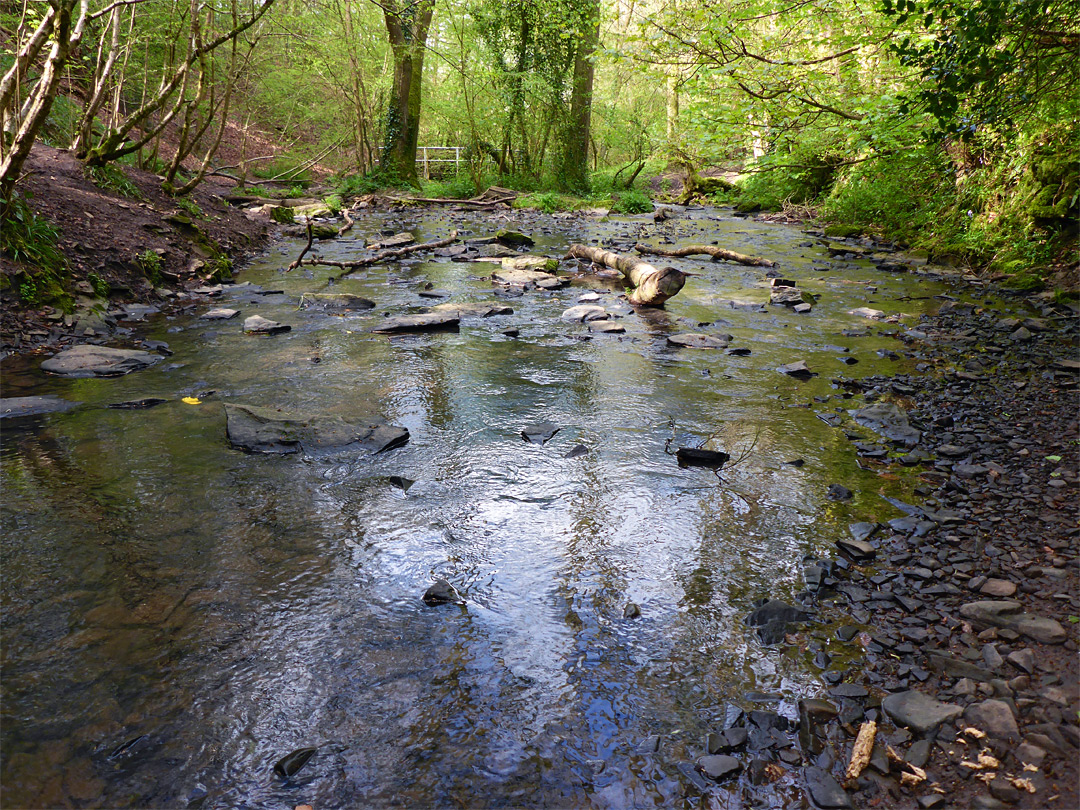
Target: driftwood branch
x,y
862,751
490,198
652,286
381,256
706,250
307,247
344,229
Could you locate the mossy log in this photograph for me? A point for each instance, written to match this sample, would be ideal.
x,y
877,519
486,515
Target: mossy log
x,y
704,250
695,185
652,285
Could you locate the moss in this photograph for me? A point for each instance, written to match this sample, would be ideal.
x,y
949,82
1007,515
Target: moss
x,y
1026,281
842,231
282,214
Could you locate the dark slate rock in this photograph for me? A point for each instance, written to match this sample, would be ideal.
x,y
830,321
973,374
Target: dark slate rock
x,y
539,433
847,632
995,718
137,404
423,322
838,492
442,593
719,766
631,611
919,712
266,430
857,549
577,451
890,421
862,531
1008,613
825,791
775,610
849,690
258,325
15,407
98,361
290,764
699,457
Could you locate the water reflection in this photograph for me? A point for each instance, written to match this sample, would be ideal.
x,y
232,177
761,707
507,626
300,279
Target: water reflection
x,y
178,615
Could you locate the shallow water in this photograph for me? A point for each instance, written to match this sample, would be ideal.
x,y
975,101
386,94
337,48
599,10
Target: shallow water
x,y
178,615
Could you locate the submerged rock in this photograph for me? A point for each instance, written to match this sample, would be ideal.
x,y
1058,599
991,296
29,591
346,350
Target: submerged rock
x,y
697,341
266,430
772,619
98,361
15,407
335,302
221,314
890,420
583,313
606,327
539,433
478,309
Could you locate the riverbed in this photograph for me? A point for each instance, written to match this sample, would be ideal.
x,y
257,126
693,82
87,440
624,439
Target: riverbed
x,y
179,615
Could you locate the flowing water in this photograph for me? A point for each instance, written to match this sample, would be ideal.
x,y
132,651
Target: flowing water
x,y
178,615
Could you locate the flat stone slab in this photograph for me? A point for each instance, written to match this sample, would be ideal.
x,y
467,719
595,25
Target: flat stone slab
x,y
522,277
890,420
1008,613
995,718
258,325
220,314
786,296
584,312
797,369
719,766
1000,588
856,549
918,711
274,432
691,340
606,327
15,407
423,322
539,263
825,790
397,240
867,312
98,361
335,302
479,309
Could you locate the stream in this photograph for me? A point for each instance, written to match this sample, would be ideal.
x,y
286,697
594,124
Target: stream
x,y
179,615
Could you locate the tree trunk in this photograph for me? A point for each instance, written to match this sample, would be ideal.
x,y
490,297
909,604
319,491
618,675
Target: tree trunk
x,y
66,32
407,28
652,286
575,164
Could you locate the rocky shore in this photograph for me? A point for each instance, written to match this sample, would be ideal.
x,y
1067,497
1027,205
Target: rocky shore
x,y
965,608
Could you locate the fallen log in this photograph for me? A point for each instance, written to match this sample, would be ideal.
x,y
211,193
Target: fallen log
x,y
381,256
490,198
652,285
705,250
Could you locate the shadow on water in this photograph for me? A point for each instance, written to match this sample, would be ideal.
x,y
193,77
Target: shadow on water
x,y
178,615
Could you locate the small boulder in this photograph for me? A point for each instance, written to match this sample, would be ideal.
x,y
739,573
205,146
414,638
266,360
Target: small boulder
x,y
442,593
918,711
539,433
258,325
98,361
423,322
697,341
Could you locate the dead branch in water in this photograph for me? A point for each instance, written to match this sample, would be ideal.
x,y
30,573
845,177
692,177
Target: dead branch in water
x,y
652,285
706,250
381,256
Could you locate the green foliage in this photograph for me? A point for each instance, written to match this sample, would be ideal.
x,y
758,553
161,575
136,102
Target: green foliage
x,y
334,203
459,187
190,206
221,268
151,265
100,285
987,62
31,241
632,202
112,178
549,202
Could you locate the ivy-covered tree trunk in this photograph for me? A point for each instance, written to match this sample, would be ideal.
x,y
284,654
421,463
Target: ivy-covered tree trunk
x,y
575,162
407,24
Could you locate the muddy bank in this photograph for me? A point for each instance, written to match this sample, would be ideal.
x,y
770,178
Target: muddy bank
x,y
132,247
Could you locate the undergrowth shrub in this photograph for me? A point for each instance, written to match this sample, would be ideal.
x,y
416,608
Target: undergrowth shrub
x,y
31,241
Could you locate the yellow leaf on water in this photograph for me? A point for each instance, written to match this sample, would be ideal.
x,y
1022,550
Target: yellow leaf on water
x,y
191,401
